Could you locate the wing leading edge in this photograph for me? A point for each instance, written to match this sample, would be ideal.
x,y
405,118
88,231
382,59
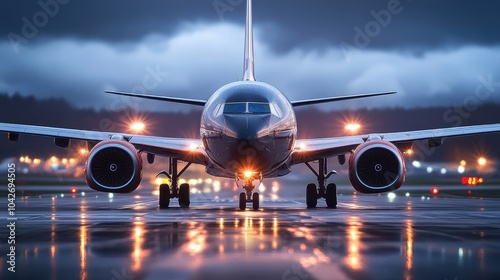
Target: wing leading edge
x,y
313,149
187,101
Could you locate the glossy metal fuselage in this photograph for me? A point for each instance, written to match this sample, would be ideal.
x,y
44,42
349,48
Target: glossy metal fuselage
x,y
251,139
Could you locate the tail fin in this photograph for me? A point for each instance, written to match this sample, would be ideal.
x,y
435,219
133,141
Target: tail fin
x,y
248,71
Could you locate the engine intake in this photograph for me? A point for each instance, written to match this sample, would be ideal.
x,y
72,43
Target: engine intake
x,y
376,167
114,166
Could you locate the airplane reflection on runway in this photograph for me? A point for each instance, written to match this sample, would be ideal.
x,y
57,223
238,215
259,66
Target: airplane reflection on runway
x,y
276,244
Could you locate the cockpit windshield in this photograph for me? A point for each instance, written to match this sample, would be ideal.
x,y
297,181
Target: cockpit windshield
x,y
247,108
235,108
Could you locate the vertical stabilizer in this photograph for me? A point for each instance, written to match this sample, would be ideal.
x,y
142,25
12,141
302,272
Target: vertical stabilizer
x,y
248,71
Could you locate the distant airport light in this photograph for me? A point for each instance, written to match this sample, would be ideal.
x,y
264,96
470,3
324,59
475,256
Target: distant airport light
x,y
472,181
353,127
73,190
461,169
409,152
83,151
429,169
443,171
463,163
416,164
137,126
434,190
391,196
482,161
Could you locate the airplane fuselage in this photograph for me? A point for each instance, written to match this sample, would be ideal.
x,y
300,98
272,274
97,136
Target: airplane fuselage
x,y
248,126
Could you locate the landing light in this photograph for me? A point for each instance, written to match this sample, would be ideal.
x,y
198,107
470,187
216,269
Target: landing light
x,y
193,147
248,174
482,161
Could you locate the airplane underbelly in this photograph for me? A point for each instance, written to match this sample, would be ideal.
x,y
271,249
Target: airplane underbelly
x,y
263,155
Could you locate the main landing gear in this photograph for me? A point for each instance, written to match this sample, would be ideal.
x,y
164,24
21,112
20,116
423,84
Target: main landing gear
x,y
329,192
248,196
168,192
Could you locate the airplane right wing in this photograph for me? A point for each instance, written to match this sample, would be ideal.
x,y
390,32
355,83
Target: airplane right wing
x,y
308,150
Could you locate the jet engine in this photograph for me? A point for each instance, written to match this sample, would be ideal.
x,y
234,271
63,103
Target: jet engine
x,y
114,166
376,166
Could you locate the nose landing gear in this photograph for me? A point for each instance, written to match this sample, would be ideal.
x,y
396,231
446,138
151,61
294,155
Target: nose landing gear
x,y
249,196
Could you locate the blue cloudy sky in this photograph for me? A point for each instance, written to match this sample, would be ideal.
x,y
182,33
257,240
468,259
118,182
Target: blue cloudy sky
x,y
434,53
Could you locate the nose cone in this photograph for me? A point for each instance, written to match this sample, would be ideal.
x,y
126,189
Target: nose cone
x,y
246,126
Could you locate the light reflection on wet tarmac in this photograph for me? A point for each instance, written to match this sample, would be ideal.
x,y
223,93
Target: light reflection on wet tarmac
x,y
368,237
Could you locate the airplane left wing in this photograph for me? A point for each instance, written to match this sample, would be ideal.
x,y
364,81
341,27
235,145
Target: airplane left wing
x,y
313,149
184,149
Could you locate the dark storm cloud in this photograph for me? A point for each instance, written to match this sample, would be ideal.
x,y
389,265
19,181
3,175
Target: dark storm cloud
x,y
77,49
414,25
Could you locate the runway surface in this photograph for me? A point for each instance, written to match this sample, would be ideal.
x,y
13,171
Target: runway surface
x,y
367,237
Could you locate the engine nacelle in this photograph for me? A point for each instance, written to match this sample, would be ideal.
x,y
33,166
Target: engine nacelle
x,y
377,166
113,166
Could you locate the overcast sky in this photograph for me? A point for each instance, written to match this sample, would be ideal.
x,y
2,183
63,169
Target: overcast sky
x,y
432,52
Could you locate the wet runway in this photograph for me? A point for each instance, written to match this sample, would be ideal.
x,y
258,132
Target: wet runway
x,y
367,237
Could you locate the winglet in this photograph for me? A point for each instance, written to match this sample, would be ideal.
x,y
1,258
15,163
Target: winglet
x,y
248,71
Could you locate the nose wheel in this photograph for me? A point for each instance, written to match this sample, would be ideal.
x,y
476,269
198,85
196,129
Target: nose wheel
x,y
244,200
249,196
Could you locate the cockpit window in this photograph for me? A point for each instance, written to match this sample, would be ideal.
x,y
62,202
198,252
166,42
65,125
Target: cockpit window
x,y
249,108
259,108
235,108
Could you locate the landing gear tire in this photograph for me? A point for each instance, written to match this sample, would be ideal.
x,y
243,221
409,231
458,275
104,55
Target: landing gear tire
x,y
311,196
184,199
331,196
164,197
243,201
255,201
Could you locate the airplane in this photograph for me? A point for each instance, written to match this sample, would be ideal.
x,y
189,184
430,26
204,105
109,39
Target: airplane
x,y
248,133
